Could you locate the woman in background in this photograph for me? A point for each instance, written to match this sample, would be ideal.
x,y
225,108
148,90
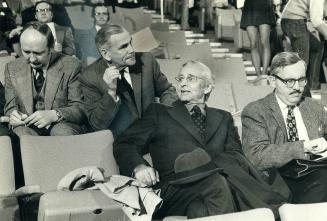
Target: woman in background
x,y
257,19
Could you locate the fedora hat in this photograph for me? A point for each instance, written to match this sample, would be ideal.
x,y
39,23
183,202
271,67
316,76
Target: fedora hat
x,y
193,166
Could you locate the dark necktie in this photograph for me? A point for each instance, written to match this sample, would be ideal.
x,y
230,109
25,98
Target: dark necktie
x,y
199,120
123,84
38,80
291,125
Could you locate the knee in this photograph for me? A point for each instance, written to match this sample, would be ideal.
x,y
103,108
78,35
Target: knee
x,y
64,129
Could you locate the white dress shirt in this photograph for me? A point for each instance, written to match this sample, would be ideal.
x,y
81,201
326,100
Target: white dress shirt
x,y
301,129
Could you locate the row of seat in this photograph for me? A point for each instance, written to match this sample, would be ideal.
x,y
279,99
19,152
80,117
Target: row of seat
x,y
47,159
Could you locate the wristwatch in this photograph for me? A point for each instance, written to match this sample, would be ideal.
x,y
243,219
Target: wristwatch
x,y
60,117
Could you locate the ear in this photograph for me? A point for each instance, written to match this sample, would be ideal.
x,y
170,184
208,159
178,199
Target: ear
x,y
105,54
208,89
272,81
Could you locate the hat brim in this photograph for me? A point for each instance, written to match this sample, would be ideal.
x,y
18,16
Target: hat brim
x,y
195,176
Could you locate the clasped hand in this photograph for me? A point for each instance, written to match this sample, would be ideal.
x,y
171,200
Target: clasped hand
x,y
39,118
147,175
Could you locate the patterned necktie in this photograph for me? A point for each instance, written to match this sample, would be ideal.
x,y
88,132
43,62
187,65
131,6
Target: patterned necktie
x,y
291,124
38,80
199,120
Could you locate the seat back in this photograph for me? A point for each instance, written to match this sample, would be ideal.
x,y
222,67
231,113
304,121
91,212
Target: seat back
x,y
303,212
47,159
262,214
7,173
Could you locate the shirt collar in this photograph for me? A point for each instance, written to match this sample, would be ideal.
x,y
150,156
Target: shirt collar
x,y
202,107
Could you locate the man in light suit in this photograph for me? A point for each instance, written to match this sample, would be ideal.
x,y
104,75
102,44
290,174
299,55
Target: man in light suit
x,y
64,39
43,94
120,85
284,126
169,131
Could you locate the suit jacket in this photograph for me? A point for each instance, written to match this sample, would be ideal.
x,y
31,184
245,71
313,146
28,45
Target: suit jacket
x,y
168,131
66,39
62,89
265,136
85,42
147,80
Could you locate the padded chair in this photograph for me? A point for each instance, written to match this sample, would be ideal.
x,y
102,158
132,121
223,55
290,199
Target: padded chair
x,y
47,159
303,212
8,203
262,214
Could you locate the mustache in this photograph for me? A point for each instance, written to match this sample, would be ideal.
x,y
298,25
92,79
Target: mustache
x,y
296,92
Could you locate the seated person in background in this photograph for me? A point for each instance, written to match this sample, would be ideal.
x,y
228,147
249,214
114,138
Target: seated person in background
x,y
120,86
43,94
188,126
86,38
284,126
63,36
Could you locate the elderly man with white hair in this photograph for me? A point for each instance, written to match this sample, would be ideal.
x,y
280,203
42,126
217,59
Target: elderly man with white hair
x,y
196,153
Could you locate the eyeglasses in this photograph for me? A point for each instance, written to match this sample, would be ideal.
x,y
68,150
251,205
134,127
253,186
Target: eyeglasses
x,y
43,10
290,82
101,13
189,79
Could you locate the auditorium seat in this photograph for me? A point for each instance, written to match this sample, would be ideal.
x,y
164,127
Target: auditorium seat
x,y
303,212
8,203
262,214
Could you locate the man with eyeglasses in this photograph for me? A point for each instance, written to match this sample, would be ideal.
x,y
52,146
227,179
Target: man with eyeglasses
x,y
64,39
169,132
119,86
284,126
85,38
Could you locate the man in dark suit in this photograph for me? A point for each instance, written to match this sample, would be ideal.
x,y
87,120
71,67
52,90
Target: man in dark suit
x,y
120,86
64,39
85,38
43,94
169,131
284,126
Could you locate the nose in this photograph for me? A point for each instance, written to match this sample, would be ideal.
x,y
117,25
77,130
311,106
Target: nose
x,y
32,58
130,48
296,86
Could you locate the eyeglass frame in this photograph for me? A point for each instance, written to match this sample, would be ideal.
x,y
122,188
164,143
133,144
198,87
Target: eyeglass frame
x,y
43,10
303,79
190,76
101,13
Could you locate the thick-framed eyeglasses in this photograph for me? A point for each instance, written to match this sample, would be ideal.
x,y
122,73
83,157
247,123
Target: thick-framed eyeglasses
x,y
43,10
291,82
101,13
189,79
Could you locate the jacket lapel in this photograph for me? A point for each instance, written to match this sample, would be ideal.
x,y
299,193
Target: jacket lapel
x,y
24,86
180,113
53,79
213,120
271,102
309,121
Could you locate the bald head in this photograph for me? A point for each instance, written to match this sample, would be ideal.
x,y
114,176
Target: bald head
x,y
35,48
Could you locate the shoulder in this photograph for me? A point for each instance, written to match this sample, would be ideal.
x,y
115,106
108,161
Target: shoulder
x,y
17,64
258,105
69,61
144,56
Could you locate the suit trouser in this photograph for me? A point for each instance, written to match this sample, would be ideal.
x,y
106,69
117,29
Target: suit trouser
x,y
309,47
311,188
58,129
210,195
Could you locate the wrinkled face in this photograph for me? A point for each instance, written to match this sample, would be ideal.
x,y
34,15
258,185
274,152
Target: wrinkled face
x,y
292,95
101,15
43,13
191,84
120,52
34,48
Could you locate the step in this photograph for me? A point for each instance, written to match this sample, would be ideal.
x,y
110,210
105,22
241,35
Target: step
x,y
215,44
194,35
219,50
227,55
247,63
